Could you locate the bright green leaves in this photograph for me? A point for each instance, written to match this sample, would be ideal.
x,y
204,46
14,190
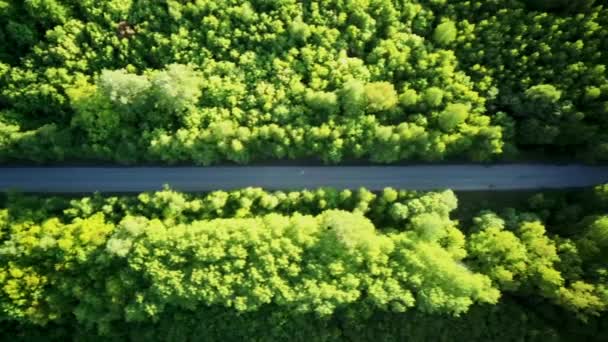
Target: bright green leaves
x,y
47,12
94,113
353,97
176,89
38,255
299,30
453,115
592,93
315,253
429,226
380,96
122,240
433,97
545,93
498,252
440,203
584,299
22,295
593,244
525,257
277,74
121,102
325,103
445,33
126,92
409,98
328,66
352,230
442,283
136,270
311,265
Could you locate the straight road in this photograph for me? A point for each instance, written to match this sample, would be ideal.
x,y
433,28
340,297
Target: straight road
x,y
417,177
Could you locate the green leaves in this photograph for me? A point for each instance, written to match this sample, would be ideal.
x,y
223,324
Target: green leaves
x,y
409,98
380,96
499,253
445,33
357,69
543,93
121,103
453,115
47,11
353,98
176,89
126,92
159,255
105,263
352,230
517,259
299,30
443,284
433,97
306,263
278,74
324,102
545,68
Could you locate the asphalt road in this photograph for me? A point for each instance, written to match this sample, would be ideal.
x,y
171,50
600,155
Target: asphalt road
x,y
421,177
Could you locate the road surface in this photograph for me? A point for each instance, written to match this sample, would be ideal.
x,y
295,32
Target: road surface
x,y
418,177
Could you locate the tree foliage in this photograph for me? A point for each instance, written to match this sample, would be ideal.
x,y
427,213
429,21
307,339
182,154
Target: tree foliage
x,y
199,83
130,268
445,33
167,261
259,81
541,62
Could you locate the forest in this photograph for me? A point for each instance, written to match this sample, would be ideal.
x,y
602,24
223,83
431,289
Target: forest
x,y
214,81
275,82
318,264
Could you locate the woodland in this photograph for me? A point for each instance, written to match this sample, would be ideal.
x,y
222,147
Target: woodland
x,y
207,82
222,81
319,265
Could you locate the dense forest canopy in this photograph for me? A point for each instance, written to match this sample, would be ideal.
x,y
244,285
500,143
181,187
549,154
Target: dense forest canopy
x,y
208,81
212,81
322,264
